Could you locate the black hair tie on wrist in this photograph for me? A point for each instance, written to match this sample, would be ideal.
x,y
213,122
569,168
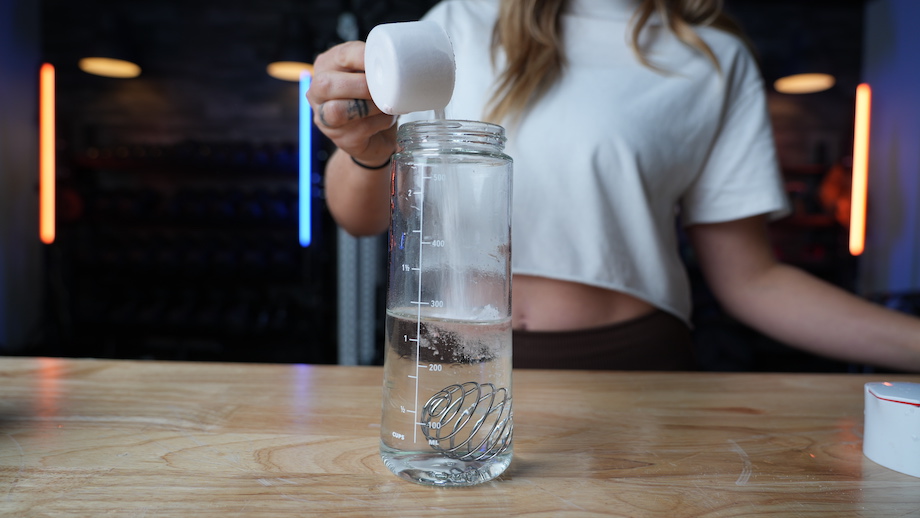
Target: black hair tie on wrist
x,y
372,167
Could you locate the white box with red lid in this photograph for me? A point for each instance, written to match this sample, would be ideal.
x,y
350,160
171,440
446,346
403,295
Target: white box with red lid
x,y
892,428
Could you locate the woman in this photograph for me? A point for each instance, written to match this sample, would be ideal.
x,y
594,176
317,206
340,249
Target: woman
x,y
621,114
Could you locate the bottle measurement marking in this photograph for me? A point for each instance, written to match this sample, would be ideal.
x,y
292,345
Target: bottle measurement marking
x,y
418,319
437,243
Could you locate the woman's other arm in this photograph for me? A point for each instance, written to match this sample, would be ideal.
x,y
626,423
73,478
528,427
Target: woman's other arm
x,y
795,307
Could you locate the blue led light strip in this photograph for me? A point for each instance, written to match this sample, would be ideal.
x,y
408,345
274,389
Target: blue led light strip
x,y
305,166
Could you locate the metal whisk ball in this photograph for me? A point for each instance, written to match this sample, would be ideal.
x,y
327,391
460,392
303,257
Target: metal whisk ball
x,y
469,421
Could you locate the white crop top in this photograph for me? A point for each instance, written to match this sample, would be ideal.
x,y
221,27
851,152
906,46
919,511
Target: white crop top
x,y
608,158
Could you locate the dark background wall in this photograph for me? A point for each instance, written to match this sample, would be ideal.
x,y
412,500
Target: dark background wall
x,y
178,188
892,262
20,253
204,66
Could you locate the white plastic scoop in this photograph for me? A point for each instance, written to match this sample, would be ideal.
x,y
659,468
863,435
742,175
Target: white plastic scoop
x,y
409,66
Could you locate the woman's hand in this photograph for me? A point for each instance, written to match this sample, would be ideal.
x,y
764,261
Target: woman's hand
x,y
343,109
358,196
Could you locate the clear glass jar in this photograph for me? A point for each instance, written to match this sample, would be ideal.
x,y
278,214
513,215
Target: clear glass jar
x,y
447,414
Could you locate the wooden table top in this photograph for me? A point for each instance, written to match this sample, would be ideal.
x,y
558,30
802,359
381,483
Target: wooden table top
x,y
133,438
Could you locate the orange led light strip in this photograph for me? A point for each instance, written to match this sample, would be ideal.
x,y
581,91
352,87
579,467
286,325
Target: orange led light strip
x,y
859,192
46,159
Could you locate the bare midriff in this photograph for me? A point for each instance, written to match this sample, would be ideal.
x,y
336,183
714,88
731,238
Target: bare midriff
x,y
541,304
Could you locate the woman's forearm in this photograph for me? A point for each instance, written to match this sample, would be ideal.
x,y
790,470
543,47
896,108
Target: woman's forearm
x,y
358,198
801,310
795,307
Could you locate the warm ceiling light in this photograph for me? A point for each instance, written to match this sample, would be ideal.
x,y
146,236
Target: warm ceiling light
x,y
289,70
804,83
109,67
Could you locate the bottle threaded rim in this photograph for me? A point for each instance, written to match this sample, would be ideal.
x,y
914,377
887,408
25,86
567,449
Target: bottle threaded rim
x,y
448,134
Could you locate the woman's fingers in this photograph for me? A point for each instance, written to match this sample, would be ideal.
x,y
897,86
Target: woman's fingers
x,y
344,56
338,73
342,106
338,92
339,112
369,139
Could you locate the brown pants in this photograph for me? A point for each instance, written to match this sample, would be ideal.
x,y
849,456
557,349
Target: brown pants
x,y
657,341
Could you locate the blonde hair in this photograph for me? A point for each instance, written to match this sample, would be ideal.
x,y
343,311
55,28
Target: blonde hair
x,y
530,34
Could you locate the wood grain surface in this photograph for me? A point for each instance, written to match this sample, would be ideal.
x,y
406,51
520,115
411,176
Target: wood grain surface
x,y
148,439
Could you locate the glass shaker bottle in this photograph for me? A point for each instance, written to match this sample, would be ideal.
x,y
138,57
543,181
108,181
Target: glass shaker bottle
x,y
447,417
